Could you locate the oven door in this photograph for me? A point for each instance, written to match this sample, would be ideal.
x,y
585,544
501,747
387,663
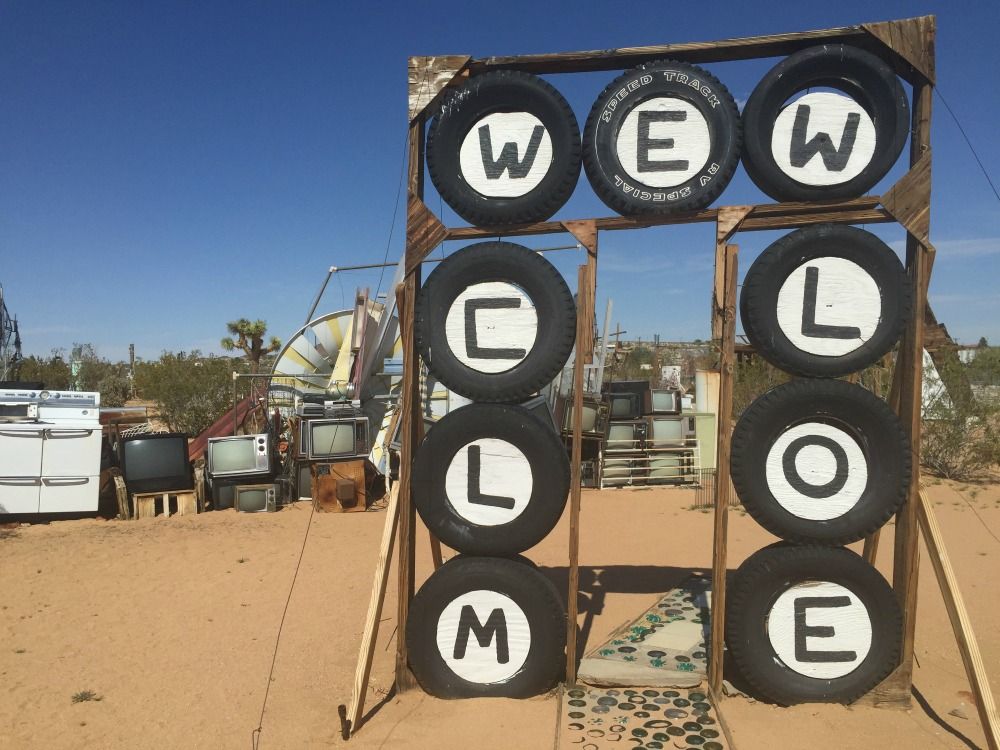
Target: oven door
x,y
19,494
68,494
21,450
71,452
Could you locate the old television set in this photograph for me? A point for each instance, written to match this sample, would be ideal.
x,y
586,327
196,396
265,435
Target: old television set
x,y
666,401
255,498
156,462
303,480
669,431
539,406
675,467
333,439
238,456
641,388
626,436
625,406
617,471
595,416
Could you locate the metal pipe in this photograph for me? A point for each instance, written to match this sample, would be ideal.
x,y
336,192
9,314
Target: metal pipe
x,y
315,304
438,260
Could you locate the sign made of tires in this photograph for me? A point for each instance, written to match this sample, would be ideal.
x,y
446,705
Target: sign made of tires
x,y
818,462
495,322
505,147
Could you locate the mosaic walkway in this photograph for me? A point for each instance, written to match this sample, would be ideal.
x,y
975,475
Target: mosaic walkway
x,y
601,718
665,647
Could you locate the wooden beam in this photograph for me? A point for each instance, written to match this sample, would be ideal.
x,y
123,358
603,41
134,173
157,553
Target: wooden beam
x,y
865,210
909,200
906,552
742,48
968,647
912,40
424,232
586,281
727,224
427,78
722,478
375,602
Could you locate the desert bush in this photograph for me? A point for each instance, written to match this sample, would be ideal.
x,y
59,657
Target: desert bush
x,y
191,391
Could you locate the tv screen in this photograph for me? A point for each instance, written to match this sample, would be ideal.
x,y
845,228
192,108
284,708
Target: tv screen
x,y
304,482
230,456
625,405
668,431
665,401
621,436
589,420
616,468
670,467
157,463
255,499
332,438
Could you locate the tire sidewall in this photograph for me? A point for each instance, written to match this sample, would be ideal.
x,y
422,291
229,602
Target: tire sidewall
x,y
763,282
769,573
486,94
537,598
857,73
540,445
514,264
866,418
600,138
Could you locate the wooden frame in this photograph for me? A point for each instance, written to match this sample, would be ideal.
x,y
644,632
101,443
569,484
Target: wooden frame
x,y
908,45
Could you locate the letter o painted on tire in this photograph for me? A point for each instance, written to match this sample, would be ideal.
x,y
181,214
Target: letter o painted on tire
x,y
820,461
486,627
824,145
504,149
490,479
495,322
662,138
812,624
825,301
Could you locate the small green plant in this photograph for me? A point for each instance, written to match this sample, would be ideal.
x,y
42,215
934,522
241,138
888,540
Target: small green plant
x,y
86,695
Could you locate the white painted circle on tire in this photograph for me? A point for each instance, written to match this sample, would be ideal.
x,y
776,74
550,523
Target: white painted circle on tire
x,y
491,327
833,636
816,466
687,128
483,663
846,296
504,479
832,114
505,155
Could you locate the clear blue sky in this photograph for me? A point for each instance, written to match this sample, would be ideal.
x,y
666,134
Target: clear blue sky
x,y
168,166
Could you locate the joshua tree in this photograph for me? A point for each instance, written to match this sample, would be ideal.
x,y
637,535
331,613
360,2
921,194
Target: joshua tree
x,y
250,340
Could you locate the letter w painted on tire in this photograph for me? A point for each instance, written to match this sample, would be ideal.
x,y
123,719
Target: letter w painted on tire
x,y
508,160
496,625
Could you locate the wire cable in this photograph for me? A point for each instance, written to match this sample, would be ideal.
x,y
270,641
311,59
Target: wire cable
x,y
255,735
968,142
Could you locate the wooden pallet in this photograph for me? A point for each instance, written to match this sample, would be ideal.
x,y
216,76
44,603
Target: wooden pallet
x,y
144,503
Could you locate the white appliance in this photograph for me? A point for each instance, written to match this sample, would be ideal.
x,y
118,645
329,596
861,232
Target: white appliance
x,y
50,451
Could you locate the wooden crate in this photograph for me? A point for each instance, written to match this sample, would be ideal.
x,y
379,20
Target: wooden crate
x,y
144,503
327,477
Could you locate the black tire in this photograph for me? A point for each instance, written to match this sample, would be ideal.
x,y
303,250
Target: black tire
x,y
863,463
533,363
535,641
622,184
478,198
765,640
525,497
863,77
871,300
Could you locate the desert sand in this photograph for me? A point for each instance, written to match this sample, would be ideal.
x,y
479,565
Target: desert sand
x,y
171,624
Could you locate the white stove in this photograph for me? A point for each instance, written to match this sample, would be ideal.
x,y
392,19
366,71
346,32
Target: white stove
x,y
50,451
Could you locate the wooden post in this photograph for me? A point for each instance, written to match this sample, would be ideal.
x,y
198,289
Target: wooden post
x,y
959,616
906,553
370,633
722,478
586,280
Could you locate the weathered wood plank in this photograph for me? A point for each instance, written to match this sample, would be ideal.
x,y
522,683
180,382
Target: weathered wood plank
x,y
912,39
908,201
722,477
968,647
428,77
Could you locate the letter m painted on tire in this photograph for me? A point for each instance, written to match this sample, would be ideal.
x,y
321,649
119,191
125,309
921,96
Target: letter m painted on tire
x,y
496,625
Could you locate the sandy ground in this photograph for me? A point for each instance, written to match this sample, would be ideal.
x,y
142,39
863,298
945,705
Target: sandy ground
x,y
171,623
